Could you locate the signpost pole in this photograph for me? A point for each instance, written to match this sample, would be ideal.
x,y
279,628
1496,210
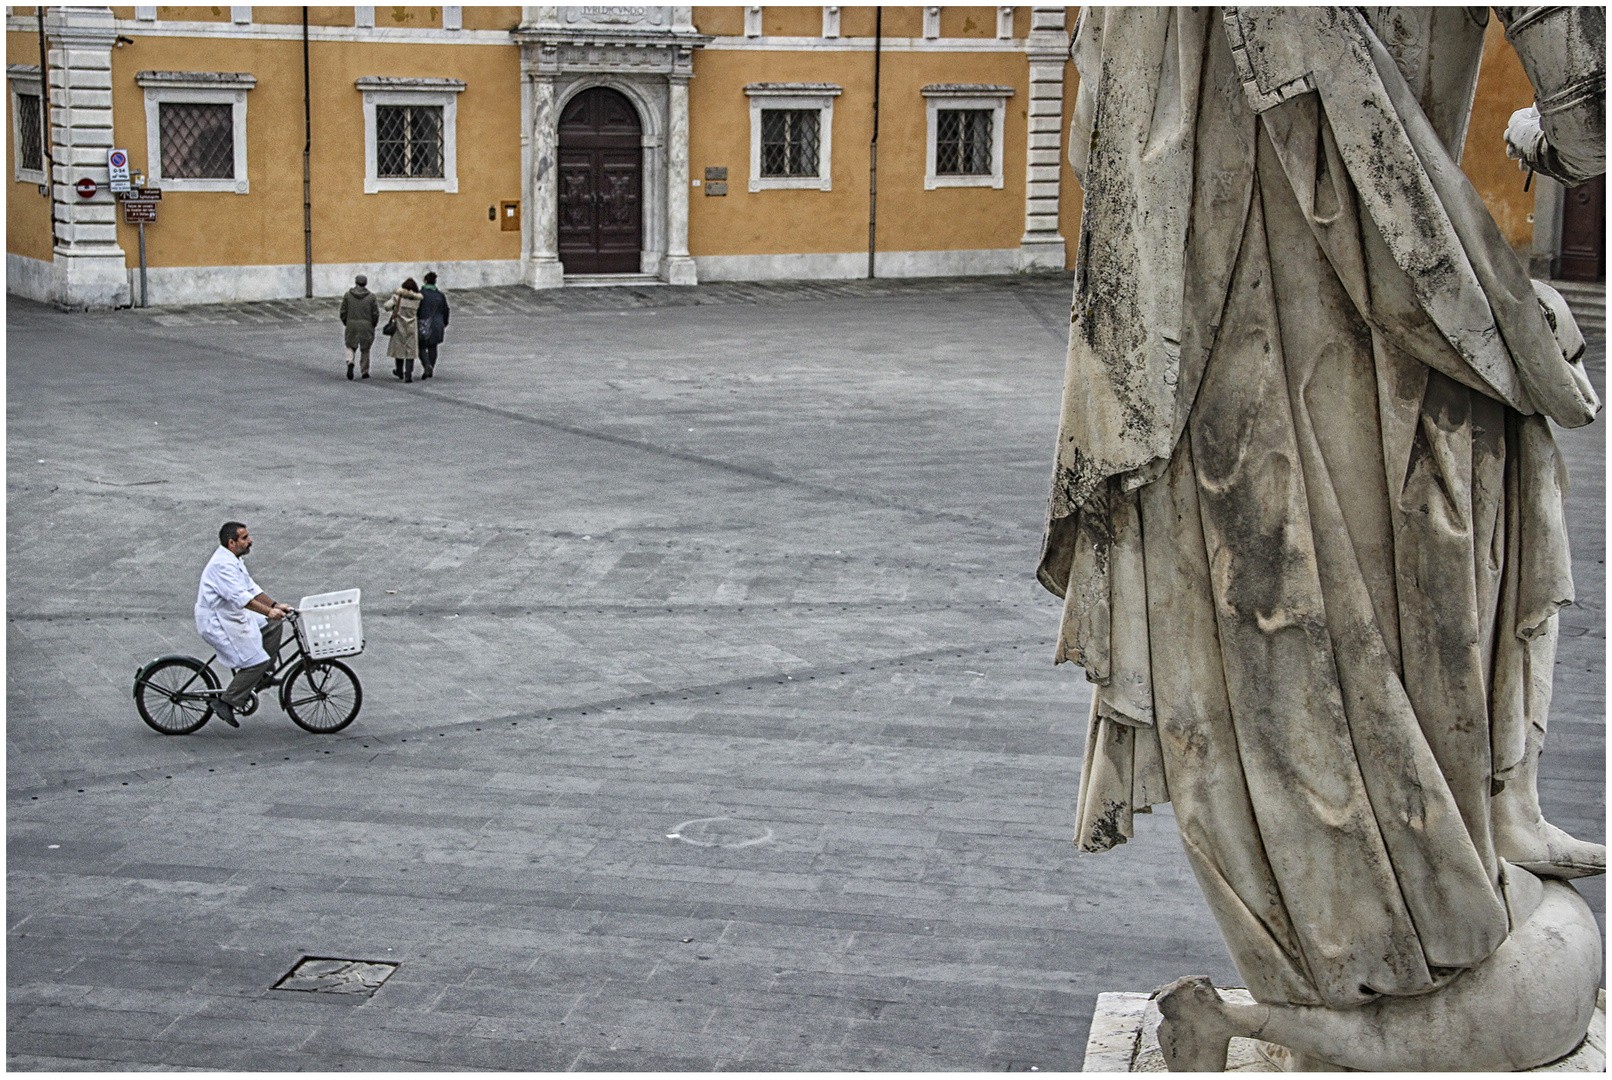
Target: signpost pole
x,y
143,301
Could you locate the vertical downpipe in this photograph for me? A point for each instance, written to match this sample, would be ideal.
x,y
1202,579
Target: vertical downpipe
x,y
873,149
307,147
45,136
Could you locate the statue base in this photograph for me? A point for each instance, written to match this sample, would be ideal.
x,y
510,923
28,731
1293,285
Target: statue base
x,y
1125,1038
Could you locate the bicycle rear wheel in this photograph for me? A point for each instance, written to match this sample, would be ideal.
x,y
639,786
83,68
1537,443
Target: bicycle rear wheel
x,y
321,696
168,694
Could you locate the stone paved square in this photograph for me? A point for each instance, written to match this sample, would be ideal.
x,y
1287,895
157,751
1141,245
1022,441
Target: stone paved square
x,y
709,715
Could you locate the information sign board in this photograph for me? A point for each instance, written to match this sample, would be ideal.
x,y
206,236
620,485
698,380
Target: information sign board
x,y
139,213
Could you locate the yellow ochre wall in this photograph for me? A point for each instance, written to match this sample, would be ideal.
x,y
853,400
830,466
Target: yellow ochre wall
x,y
265,226
816,222
1502,89
27,211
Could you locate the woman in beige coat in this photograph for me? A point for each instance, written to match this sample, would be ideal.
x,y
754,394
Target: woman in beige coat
x,y
404,307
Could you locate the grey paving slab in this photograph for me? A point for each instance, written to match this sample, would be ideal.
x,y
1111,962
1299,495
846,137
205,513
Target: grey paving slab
x,y
709,717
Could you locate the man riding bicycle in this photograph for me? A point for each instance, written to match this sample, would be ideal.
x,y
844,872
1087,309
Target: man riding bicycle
x,y
237,619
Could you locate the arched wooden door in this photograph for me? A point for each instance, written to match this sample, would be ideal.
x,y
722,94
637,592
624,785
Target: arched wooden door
x,y
601,184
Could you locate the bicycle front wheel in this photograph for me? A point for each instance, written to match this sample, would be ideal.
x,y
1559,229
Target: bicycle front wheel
x,y
168,694
321,696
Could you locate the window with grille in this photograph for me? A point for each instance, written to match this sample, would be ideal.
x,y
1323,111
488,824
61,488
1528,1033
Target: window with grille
x,y
198,140
963,142
408,140
789,142
30,134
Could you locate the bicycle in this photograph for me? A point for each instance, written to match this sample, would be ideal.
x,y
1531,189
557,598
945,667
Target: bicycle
x,y
322,695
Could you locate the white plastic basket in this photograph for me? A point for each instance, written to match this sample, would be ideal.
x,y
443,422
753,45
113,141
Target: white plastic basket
x,y
331,625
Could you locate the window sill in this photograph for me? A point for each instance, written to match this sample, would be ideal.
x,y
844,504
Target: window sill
x,y
169,183
785,183
412,183
933,182
31,176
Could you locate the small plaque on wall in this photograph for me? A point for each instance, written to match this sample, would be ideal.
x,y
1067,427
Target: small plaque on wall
x,y
716,172
716,187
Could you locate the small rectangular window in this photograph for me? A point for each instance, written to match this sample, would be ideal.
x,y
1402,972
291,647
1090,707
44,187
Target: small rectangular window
x,y
198,140
408,140
789,141
30,134
963,142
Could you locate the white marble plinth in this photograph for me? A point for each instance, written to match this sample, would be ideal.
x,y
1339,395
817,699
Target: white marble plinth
x,y
1125,1038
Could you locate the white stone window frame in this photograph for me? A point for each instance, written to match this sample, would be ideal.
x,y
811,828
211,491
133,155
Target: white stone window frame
x,y
196,88
382,90
818,96
25,79
965,96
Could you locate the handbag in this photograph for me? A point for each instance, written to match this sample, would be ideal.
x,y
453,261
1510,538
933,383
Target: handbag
x,y
390,328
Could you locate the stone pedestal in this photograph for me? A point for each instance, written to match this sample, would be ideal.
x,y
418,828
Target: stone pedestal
x,y
1125,1038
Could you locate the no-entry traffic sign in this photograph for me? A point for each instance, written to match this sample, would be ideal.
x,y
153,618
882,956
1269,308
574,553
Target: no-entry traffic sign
x,y
86,188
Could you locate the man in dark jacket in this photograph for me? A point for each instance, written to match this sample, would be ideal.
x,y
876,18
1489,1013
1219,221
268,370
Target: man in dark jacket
x,y
360,311
433,324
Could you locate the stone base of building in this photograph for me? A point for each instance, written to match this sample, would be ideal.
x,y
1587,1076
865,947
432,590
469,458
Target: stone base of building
x,y
220,284
75,282
854,264
30,278
1125,1038
1041,254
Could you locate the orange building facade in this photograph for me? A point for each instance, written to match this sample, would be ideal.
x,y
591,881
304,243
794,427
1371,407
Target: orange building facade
x,y
556,146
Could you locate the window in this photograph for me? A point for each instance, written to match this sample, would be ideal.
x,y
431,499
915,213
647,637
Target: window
x,y
965,134
791,129
198,140
27,124
30,134
789,142
410,142
196,129
963,142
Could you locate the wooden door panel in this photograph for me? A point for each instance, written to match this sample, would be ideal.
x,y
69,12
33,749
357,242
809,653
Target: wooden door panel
x,y
1584,232
601,184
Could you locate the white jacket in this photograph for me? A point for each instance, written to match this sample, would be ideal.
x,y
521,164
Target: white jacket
x,y
222,618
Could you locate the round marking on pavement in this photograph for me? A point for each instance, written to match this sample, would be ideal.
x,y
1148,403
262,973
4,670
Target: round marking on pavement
x,y
721,832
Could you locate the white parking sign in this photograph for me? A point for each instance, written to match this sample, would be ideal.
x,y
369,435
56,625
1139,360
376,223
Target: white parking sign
x,y
117,165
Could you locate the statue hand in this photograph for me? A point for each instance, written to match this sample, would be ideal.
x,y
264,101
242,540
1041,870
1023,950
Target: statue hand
x,y
1524,137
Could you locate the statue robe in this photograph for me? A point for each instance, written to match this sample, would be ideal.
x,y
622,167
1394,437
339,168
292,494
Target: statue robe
x,y
1307,509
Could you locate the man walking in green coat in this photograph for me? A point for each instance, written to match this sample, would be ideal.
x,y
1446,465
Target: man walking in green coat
x,y
360,311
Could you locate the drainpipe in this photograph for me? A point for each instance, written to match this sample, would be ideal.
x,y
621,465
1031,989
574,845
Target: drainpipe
x,y
44,107
307,147
873,148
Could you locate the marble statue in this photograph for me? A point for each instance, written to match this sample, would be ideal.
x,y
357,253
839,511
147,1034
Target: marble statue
x,y
1307,518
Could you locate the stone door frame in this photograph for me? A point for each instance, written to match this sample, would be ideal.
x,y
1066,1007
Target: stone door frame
x,y
649,60
651,109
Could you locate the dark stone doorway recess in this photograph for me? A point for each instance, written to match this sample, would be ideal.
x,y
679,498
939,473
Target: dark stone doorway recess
x,y
601,184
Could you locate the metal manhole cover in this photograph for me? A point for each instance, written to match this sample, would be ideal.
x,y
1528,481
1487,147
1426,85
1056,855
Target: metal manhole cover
x,y
327,975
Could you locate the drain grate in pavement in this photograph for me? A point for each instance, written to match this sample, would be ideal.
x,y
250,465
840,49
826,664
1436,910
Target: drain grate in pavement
x,y
328,975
